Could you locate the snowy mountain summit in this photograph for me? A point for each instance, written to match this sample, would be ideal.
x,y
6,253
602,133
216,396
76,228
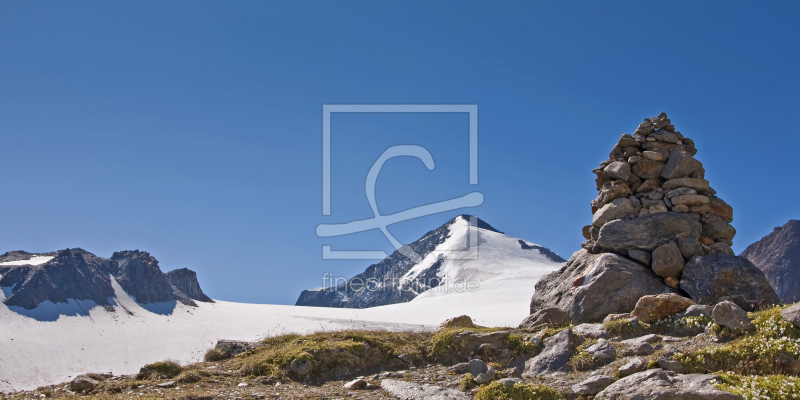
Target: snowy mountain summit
x,y
30,279
457,257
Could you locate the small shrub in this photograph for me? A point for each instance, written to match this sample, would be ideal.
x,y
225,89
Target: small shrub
x,y
776,387
520,391
164,369
467,382
215,355
625,328
520,346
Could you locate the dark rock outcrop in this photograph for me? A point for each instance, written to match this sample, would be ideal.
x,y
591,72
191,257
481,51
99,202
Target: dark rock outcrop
x,y
185,280
714,278
591,286
71,274
80,275
138,273
778,256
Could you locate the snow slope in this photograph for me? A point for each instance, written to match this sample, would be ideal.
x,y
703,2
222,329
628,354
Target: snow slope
x,y
54,342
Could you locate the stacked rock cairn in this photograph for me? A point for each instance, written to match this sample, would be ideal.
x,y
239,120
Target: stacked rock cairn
x,y
654,171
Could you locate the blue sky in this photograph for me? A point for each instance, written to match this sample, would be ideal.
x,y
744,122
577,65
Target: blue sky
x,y
193,130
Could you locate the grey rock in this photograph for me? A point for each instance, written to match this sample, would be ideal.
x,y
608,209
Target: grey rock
x,y
690,200
510,382
690,247
792,314
681,164
698,310
554,357
778,256
415,391
658,384
681,191
609,192
666,136
301,366
477,367
730,315
647,232
460,368
472,340
590,287
716,228
463,321
405,358
234,347
655,155
83,383
669,365
616,209
603,350
551,316
787,364
640,346
485,377
713,278
593,385
720,208
618,170
640,256
167,384
697,184
648,169
660,207
668,260
633,366
591,331
357,384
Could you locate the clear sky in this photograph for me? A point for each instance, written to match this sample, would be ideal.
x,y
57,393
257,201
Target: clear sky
x,y
193,130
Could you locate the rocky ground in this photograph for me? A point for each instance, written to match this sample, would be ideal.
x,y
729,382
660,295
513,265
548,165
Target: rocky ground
x,y
700,353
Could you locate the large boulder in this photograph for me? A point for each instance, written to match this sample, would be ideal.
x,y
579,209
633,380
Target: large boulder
x,y
658,384
554,357
714,278
647,232
650,309
731,316
668,260
590,286
792,314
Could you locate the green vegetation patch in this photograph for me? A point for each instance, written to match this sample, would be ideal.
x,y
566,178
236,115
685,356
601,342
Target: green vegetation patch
x,y
625,328
753,353
164,369
329,351
520,391
775,387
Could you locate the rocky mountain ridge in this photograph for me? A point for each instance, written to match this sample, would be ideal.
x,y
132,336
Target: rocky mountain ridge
x,y
80,275
778,256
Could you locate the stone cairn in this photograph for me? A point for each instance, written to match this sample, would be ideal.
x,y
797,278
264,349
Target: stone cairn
x,y
654,172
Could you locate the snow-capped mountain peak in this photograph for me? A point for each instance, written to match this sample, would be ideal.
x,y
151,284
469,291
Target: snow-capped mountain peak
x,y
457,256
